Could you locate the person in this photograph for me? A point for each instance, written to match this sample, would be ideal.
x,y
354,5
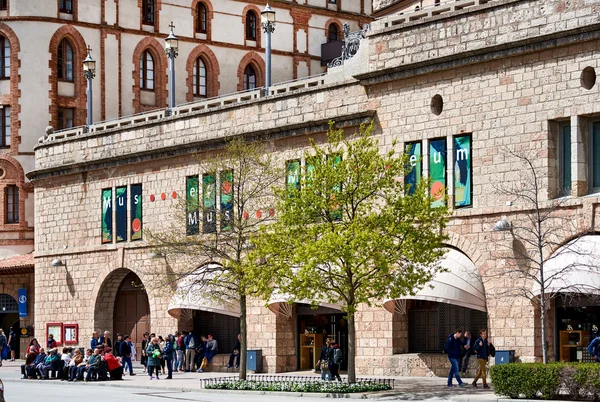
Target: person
x,y
482,348
334,358
12,343
154,355
236,353
144,359
201,361
34,347
594,349
51,343
161,344
73,364
324,360
39,360
125,353
117,345
113,365
466,352
66,358
105,341
212,347
180,350
29,359
453,348
95,341
51,363
190,343
77,371
2,343
93,365
167,351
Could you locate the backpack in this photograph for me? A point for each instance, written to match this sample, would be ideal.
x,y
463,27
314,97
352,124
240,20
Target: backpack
x,y
337,356
492,350
192,343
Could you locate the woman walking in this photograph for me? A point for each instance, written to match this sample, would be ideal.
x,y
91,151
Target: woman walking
x,y
154,355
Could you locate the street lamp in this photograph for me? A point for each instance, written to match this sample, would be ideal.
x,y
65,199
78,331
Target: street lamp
x,y
267,17
172,50
89,71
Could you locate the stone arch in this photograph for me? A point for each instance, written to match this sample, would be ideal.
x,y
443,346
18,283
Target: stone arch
x,y
339,26
258,63
209,16
12,98
466,247
212,65
160,74
79,52
258,26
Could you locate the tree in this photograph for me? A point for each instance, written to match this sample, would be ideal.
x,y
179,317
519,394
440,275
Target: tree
x,y
347,234
212,248
538,236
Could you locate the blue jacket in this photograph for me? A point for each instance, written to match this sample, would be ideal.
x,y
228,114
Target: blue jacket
x,y
483,351
94,343
454,347
186,341
39,359
594,348
168,350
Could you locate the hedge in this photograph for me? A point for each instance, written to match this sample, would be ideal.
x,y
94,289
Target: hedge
x,y
291,386
575,381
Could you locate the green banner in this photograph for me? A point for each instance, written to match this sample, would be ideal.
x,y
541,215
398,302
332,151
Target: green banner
x,y
107,219
136,212
209,203
462,171
121,213
437,171
292,179
336,208
226,180
414,166
193,213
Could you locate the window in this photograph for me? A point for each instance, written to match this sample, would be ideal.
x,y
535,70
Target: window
x,y
201,21
4,57
3,4
594,157
564,159
65,61
200,77
251,25
66,6
11,204
148,12
249,78
332,1
5,117
65,118
333,33
147,71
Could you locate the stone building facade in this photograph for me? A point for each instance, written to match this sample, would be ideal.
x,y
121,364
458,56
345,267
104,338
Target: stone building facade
x,y
508,75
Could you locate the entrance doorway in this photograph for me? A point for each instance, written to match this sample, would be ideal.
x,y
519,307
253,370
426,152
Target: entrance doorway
x,y
577,323
324,323
132,310
9,318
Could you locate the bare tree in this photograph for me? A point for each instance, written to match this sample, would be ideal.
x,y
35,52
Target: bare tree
x,y
547,249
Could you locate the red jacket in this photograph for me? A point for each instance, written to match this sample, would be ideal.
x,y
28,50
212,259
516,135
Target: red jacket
x,y
111,361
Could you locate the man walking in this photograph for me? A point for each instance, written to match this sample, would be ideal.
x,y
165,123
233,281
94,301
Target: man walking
x,y
482,347
125,353
453,348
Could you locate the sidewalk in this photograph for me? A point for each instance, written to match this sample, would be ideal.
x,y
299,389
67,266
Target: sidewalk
x,y
405,388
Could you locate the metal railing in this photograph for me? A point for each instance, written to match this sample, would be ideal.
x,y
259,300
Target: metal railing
x,y
282,378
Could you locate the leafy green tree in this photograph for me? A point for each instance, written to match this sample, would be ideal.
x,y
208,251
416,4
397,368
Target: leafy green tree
x,y
206,251
347,233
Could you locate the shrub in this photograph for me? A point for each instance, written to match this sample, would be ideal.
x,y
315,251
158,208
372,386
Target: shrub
x,y
289,386
546,381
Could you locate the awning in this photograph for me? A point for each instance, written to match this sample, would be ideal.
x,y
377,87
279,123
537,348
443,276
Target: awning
x,y
461,286
192,295
279,303
573,268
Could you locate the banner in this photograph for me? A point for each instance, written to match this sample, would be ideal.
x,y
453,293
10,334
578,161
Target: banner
x,y
226,180
292,179
209,203
107,220
22,299
437,171
136,212
414,166
462,171
121,213
193,213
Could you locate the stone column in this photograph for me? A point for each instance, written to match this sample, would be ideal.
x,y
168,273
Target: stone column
x,y
579,161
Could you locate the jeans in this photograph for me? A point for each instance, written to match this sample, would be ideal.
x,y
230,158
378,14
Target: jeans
x,y
324,372
334,372
453,371
179,361
237,359
169,363
127,362
464,362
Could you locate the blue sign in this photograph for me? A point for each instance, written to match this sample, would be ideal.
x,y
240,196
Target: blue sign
x,y
22,302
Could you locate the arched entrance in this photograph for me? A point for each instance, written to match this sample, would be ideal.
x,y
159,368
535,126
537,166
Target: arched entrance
x,y
9,317
122,306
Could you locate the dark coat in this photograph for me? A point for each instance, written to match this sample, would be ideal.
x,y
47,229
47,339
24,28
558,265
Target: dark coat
x,y
483,350
454,347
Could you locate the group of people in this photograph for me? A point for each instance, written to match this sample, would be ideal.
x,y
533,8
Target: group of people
x,y
11,342
184,352
460,347
329,361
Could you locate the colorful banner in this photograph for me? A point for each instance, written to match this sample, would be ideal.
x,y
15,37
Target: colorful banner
x,y
209,203
292,178
136,212
193,213
107,220
437,171
414,166
463,175
226,180
121,213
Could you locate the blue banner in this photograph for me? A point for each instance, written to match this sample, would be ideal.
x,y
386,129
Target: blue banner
x,y
22,293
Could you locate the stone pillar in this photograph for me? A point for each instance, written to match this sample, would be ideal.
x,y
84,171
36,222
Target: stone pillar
x,y
579,171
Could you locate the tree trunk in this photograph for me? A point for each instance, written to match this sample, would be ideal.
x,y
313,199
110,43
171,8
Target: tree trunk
x,y
543,317
351,349
243,332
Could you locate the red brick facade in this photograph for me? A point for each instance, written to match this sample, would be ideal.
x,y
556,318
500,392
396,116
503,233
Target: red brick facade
x,y
212,72
301,17
160,75
339,26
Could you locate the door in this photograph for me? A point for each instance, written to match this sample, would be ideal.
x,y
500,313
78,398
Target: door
x,y
132,311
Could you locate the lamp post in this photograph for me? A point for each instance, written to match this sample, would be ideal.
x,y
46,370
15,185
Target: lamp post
x,y
172,50
268,25
89,71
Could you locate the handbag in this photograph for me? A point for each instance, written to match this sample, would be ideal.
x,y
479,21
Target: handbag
x,y
324,364
5,352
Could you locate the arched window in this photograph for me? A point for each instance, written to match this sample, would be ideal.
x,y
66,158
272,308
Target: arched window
x,y
147,71
202,19
148,12
251,25
333,33
200,88
65,61
4,57
249,78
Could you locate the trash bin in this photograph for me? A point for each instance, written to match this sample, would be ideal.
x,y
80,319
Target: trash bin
x,y
505,356
254,360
